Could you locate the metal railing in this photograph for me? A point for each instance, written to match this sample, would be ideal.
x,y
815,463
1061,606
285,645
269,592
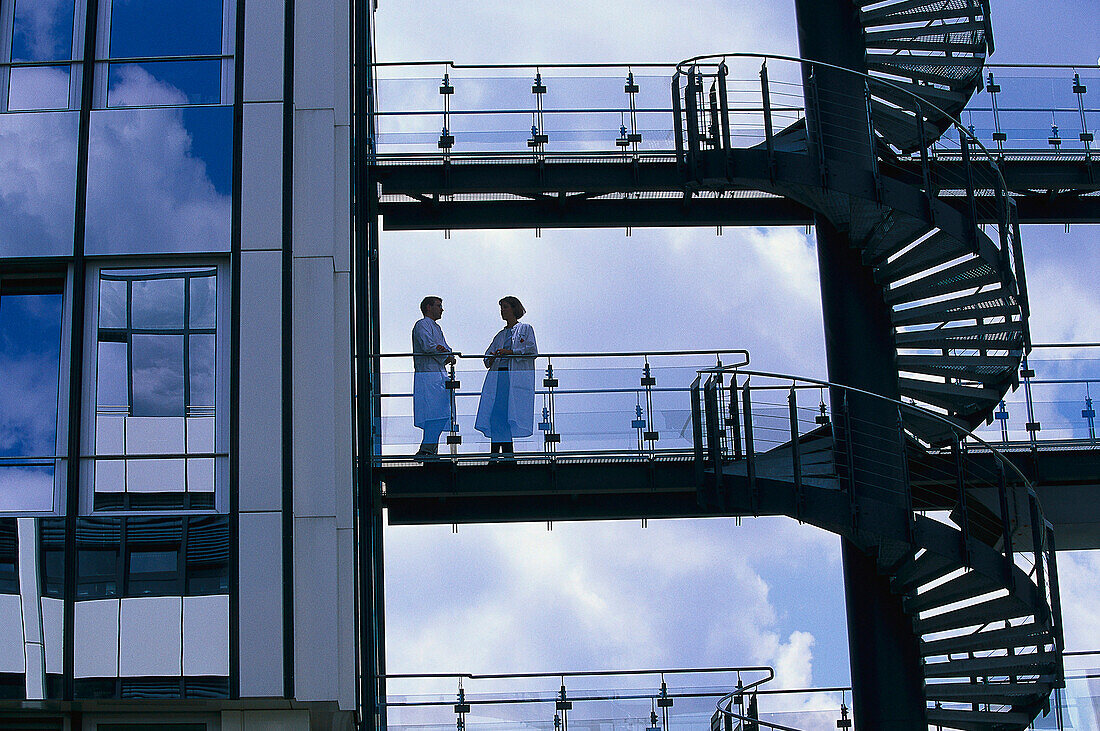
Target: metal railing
x,y
653,700
968,484
584,403
444,108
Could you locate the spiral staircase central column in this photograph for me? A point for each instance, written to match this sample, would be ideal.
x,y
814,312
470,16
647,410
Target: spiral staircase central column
x,y
887,683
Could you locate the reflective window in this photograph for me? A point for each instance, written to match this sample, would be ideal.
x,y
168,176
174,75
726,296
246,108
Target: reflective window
x,y
38,87
42,30
143,28
37,183
156,378
164,82
42,45
160,181
30,373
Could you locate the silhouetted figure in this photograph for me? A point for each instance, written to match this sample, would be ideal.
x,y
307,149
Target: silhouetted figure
x,y
431,402
507,406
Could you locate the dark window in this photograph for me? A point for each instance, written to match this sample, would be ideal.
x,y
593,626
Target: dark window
x,y
9,556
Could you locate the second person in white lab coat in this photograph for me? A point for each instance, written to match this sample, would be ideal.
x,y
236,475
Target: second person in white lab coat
x,y
507,406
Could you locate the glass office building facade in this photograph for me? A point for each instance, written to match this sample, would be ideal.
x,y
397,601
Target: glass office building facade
x,y
174,347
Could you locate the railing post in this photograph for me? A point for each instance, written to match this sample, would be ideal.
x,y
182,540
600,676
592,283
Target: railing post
x,y
818,137
910,519
648,381
960,485
1006,527
678,120
971,199
1037,536
872,146
452,385
714,430
926,166
723,106
697,431
750,450
796,453
733,421
843,424
1056,605
694,86
769,134
550,436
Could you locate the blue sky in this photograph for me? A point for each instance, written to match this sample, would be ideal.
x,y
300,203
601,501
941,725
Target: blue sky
x,y
613,595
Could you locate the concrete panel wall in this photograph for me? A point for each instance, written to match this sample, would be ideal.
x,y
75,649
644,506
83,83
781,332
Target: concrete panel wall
x,y
261,605
261,403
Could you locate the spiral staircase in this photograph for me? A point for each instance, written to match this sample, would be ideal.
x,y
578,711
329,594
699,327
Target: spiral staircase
x,y
988,629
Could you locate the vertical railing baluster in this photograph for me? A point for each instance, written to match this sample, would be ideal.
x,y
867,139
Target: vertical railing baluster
x,y
452,385
697,431
906,486
733,421
723,101
960,487
1037,535
796,453
971,198
1006,527
769,134
550,437
750,450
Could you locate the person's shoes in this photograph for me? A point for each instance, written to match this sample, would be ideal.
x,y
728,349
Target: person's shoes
x,y
427,453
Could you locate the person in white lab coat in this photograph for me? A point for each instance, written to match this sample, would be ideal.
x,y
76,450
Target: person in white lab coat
x,y
507,405
432,355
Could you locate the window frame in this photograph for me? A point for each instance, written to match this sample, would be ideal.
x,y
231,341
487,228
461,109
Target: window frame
x,y
221,410
62,276
74,63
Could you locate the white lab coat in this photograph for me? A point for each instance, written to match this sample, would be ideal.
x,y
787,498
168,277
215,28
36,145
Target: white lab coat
x,y
507,406
431,402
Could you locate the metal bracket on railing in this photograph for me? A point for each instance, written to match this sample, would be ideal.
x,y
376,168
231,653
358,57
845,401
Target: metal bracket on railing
x,y
1086,137
1089,414
452,384
550,437
538,138
446,139
648,381
461,709
998,136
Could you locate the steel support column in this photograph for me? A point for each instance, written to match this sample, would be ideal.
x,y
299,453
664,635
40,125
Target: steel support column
x,y
887,685
370,625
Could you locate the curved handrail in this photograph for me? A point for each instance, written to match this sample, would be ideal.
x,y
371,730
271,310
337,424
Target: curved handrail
x,y
921,101
1002,459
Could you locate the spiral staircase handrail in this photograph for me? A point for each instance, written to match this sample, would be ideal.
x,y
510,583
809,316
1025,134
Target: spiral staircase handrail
x,y
920,101
1001,458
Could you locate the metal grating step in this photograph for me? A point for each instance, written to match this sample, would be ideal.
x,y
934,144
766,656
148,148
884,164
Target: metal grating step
x,y
937,249
992,610
998,666
986,305
1028,635
978,720
958,278
966,586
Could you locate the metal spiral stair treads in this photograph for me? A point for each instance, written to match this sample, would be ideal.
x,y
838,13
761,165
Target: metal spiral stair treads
x,y
988,642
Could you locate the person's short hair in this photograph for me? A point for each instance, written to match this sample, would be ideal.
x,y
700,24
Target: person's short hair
x,y
517,306
431,299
